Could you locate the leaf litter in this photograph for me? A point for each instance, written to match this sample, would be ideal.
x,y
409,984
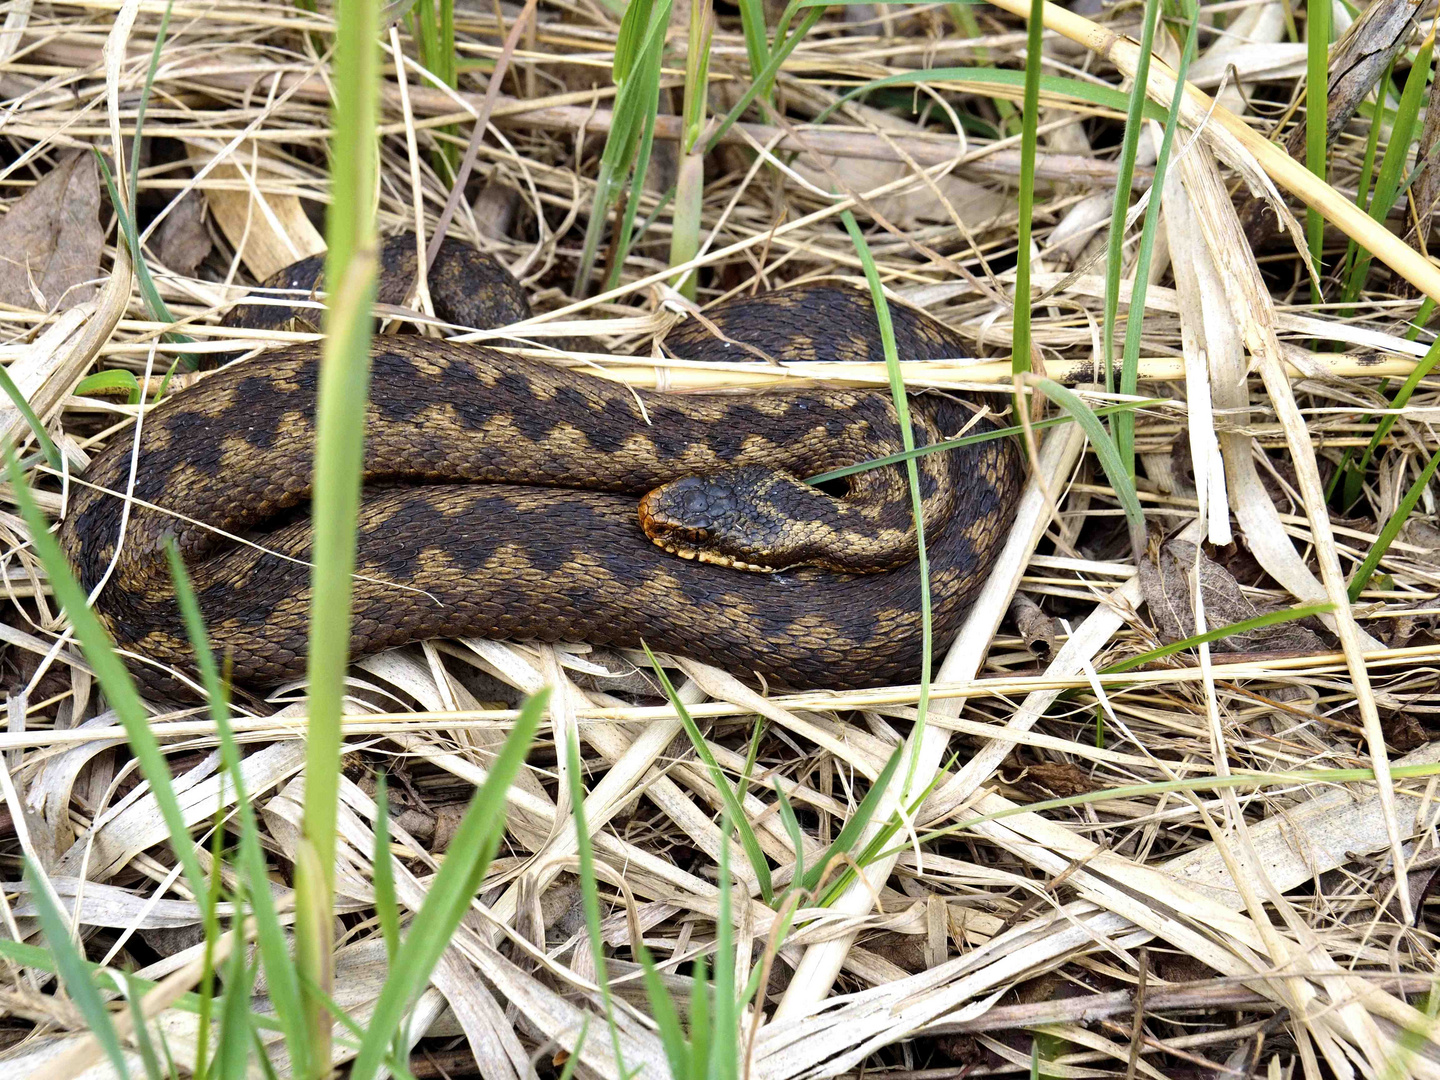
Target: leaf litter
x,y
1257,927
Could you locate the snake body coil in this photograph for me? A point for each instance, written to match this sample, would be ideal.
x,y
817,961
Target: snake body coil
x,y
501,501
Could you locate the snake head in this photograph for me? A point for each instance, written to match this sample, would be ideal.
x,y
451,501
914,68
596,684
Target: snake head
x,y
748,518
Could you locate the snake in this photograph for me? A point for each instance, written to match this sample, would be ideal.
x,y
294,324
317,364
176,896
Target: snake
x,y
517,499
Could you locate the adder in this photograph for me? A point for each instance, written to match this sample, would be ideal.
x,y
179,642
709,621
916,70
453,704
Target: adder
x,y
512,498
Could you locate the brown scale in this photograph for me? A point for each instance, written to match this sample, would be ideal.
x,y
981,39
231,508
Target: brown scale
x,y
502,500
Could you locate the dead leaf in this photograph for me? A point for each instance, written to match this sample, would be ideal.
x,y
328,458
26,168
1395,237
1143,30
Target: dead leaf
x,y
1168,586
1052,779
50,241
447,824
182,241
1403,731
1421,533
1422,874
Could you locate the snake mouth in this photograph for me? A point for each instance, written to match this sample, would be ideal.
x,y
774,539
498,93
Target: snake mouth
x,y
714,558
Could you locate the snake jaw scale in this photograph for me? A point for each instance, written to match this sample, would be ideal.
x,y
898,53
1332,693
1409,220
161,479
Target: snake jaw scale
x,y
735,564
684,553
713,558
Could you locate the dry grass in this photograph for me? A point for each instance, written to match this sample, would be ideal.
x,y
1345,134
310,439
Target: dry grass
x,y
1257,929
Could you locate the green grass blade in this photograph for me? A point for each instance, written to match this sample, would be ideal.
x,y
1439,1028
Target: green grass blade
x,y
355,1032
140,1029
341,1017
159,310
1108,455
171,1069
1367,167
875,848
1124,423
199,641
724,1061
114,379
451,892
1115,253
971,440
606,188
752,754
267,1069
637,183
210,922
32,956
232,1045
590,893
427,35
762,83
702,1028
434,32
667,1017
574,1059
145,90
697,74
731,800
1392,528
757,44
449,151
1402,398
22,405
859,821
1317,104
792,830
1054,86
114,679
387,908
1245,626
73,972
1021,343
636,103
634,28
912,472
1422,317
432,53
350,269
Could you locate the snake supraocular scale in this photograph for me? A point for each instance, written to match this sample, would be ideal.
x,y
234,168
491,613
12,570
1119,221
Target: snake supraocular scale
x,y
501,501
